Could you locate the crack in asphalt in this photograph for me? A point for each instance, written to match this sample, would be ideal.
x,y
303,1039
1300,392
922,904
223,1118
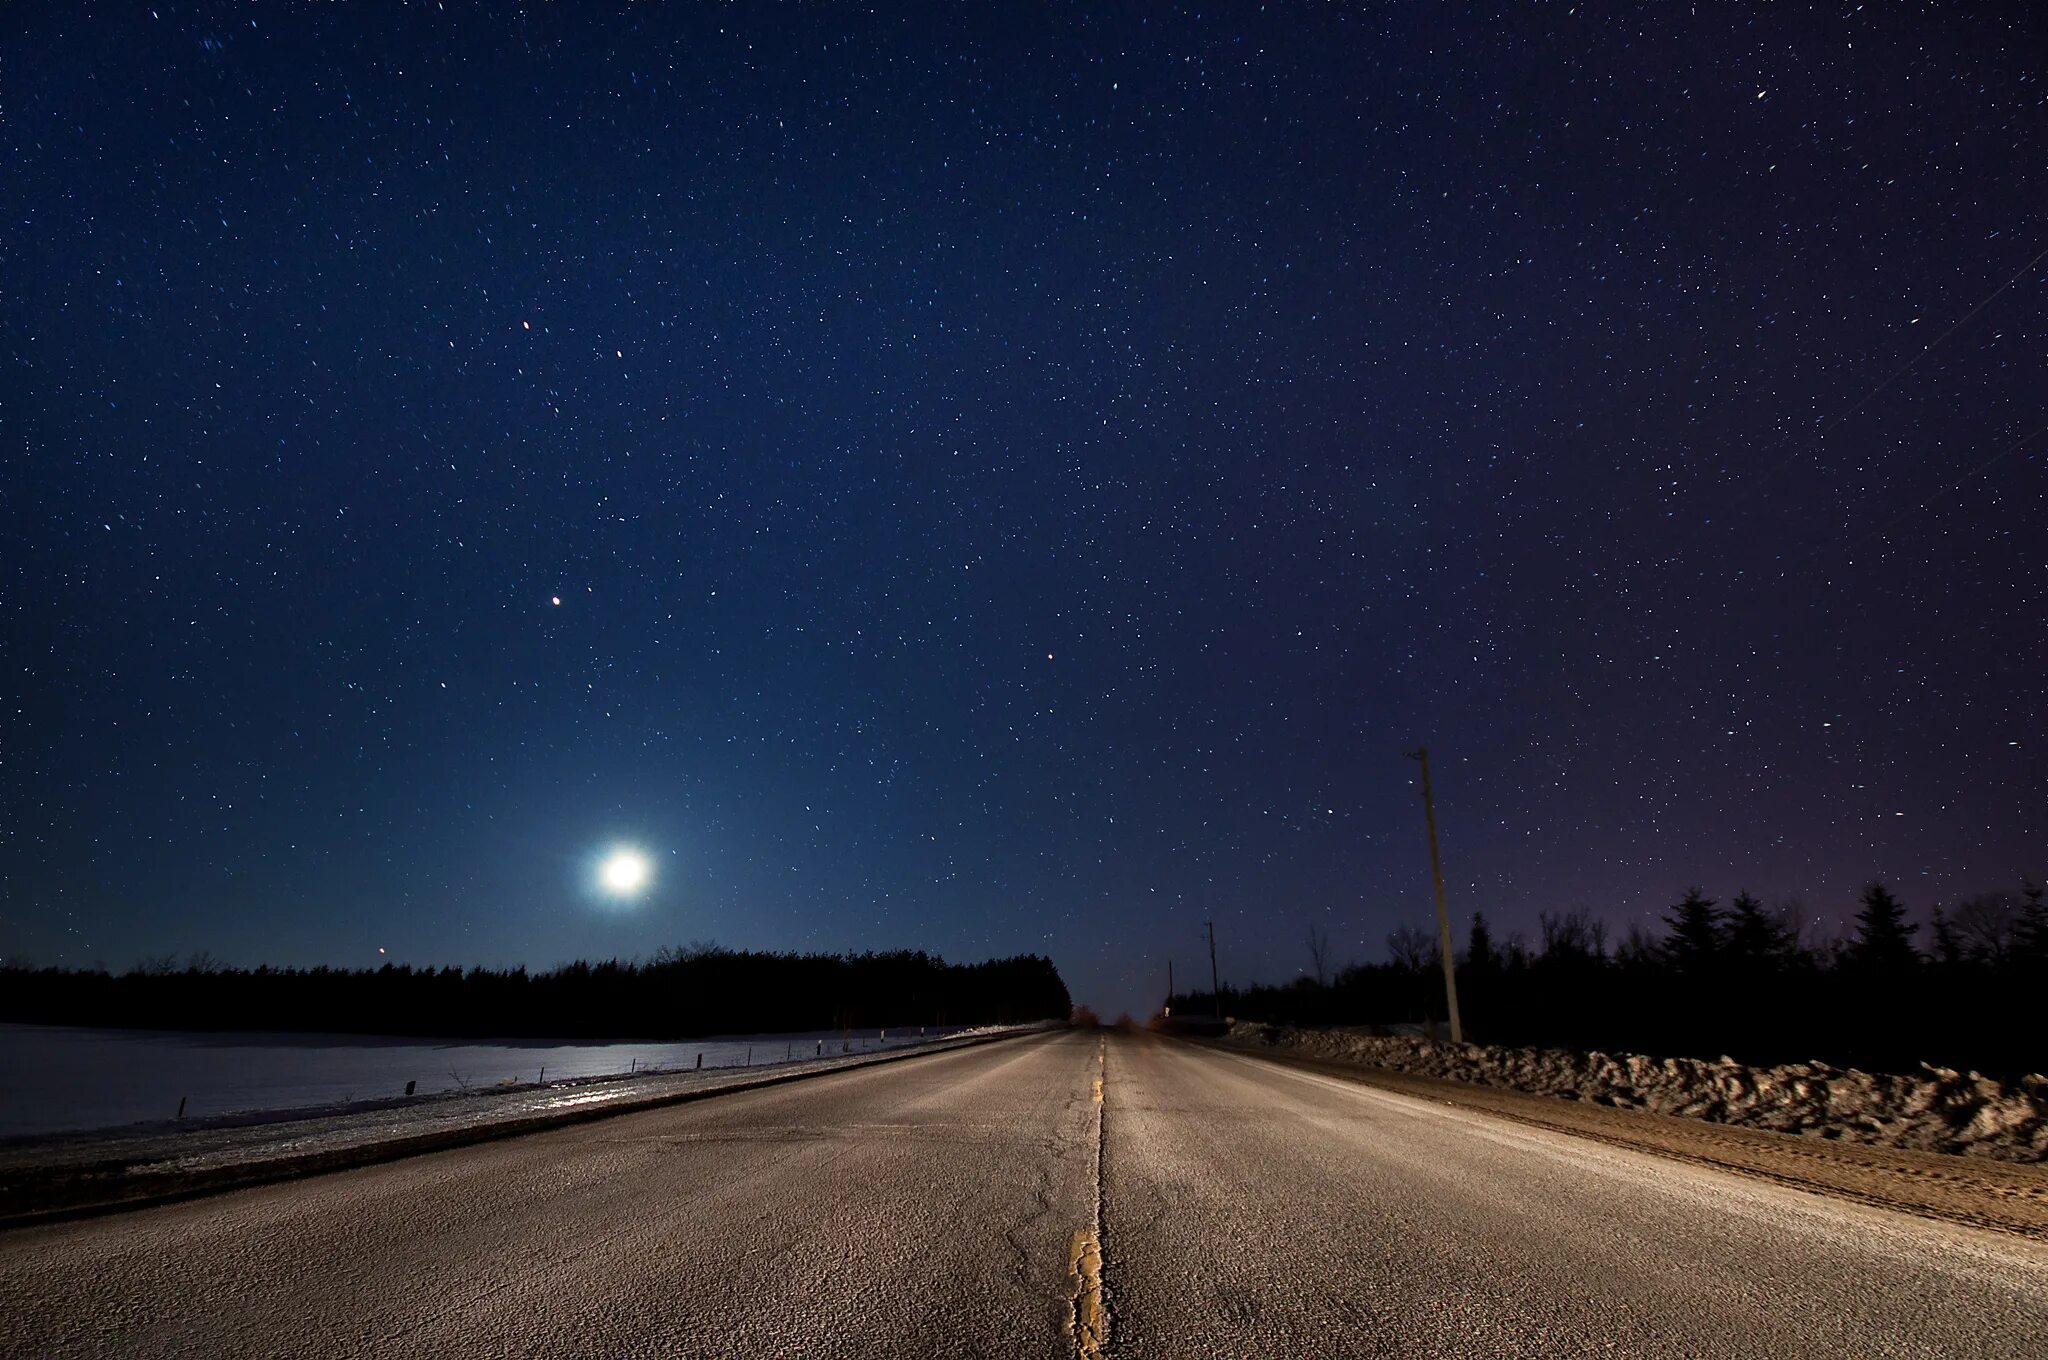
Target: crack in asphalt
x,y
1041,1198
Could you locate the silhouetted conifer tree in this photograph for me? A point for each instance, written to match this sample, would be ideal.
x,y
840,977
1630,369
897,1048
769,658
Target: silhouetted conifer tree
x,y
1948,949
1695,939
1480,955
2030,933
1884,937
1754,937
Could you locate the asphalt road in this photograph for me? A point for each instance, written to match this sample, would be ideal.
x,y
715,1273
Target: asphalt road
x,y
1256,1209
951,1206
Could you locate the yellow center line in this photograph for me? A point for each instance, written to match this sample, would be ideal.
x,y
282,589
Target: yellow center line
x,y
1084,1256
1084,1267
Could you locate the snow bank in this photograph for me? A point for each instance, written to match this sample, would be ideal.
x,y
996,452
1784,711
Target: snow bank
x,y
1936,1110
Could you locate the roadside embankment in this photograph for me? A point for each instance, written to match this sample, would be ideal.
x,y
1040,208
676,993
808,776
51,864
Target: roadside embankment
x,y
70,1174
1935,1110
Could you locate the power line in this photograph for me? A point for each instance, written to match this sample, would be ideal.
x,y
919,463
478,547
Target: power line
x,y
1961,322
1994,460
1833,422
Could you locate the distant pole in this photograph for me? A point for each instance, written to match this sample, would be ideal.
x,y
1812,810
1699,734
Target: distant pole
x,y
1169,982
1443,913
1215,988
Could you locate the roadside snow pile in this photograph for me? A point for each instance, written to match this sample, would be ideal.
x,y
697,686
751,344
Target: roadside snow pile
x,y
1938,1110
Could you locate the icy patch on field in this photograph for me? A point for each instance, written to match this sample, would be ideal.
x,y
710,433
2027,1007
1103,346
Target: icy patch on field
x,y
56,1079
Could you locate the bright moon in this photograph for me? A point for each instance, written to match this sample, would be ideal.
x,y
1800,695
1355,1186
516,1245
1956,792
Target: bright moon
x,y
624,872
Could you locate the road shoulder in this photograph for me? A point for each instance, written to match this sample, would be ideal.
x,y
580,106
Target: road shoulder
x,y
2003,1197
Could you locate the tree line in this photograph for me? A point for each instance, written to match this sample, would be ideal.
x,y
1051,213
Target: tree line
x,y
680,993
1962,989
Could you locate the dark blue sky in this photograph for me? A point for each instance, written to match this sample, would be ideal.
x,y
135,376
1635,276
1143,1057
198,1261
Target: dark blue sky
x,y
1012,483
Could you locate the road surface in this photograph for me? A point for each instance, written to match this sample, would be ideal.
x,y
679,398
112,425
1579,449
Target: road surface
x,y
1176,1201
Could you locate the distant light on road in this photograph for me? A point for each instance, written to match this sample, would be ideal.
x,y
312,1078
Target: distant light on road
x,y
624,873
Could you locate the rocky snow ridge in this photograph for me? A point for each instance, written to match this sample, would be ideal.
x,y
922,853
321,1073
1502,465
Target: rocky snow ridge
x,y
1935,1110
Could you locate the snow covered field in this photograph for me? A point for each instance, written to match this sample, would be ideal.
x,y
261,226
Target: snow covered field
x,y
55,1079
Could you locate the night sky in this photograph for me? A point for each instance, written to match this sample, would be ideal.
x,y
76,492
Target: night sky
x,y
1015,482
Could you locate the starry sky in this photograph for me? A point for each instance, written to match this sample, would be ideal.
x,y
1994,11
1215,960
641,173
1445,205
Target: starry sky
x,y
1009,481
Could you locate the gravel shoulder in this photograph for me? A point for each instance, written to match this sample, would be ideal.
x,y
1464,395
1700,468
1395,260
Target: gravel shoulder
x,y
2005,1197
68,1175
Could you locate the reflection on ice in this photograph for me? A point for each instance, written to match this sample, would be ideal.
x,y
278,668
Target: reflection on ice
x,y
54,1079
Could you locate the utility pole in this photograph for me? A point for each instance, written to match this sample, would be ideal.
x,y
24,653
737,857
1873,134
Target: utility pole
x,y
1215,988
1443,914
1169,982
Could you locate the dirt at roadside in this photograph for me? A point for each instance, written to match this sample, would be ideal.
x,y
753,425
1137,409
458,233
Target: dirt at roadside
x,y
1935,1109
2002,1196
